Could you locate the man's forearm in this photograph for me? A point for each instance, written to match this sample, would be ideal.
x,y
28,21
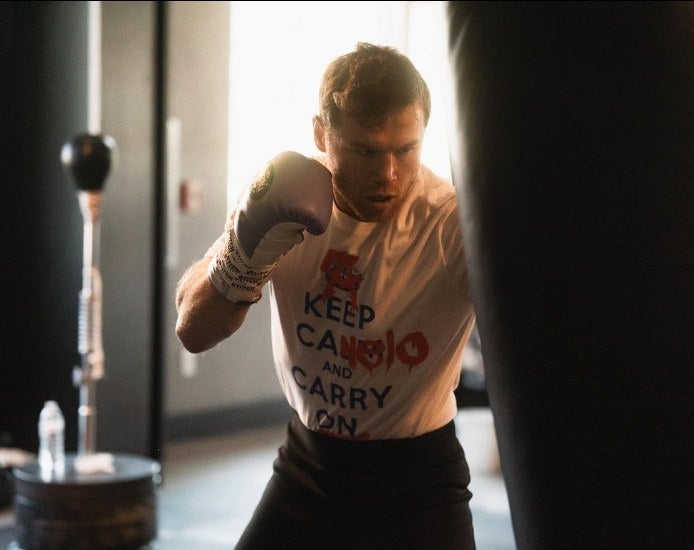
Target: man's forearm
x,y
205,317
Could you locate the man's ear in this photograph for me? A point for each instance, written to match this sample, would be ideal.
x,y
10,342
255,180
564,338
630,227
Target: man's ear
x,y
319,133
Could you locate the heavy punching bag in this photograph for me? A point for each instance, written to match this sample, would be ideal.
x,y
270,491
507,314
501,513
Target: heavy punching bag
x,y
573,158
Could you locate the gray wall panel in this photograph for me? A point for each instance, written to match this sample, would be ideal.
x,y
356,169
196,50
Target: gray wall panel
x,y
128,226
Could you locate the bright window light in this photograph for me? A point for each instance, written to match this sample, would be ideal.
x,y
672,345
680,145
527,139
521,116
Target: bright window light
x,y
279,51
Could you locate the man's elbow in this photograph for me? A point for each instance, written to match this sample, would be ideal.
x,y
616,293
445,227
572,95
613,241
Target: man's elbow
x,y
202,325
191,339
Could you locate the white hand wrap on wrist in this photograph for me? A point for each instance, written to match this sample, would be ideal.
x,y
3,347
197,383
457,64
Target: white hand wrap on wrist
x,y
240,279
231,275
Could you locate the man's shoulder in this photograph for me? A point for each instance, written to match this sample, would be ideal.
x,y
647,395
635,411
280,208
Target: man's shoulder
x,y
437,191
434,178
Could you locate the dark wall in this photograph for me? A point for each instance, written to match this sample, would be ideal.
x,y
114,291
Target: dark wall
x,y
43,103
44,88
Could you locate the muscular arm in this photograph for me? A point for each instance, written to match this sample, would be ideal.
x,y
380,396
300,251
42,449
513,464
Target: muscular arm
x,y
292,194
205,317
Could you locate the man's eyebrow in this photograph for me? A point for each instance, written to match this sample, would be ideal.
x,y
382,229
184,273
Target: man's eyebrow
x,y
360,145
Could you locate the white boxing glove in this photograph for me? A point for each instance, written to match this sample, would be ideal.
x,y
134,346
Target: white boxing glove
x,y
292,194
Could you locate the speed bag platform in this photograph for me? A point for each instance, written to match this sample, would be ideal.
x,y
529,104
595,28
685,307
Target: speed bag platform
x,y
78,511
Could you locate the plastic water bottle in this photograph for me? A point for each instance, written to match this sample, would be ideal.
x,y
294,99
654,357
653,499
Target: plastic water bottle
x,y
51,437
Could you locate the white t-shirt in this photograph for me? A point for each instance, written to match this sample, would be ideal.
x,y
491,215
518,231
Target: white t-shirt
x,y
369,320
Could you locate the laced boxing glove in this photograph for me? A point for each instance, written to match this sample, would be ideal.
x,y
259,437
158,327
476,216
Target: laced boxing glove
x,y
292,194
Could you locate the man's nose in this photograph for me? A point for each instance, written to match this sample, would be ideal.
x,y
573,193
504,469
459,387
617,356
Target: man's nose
x,y
386,168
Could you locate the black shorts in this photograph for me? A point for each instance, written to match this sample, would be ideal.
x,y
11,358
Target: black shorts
x,y
332,494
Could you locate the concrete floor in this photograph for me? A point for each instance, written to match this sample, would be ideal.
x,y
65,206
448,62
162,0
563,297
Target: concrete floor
x,y
211,486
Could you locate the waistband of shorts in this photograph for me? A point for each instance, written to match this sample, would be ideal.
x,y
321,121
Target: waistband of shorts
x,y
406,454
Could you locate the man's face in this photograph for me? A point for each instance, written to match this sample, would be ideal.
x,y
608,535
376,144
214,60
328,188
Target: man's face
x,y
373,168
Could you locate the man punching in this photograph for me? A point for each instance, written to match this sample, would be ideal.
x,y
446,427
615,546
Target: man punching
x,y
362,250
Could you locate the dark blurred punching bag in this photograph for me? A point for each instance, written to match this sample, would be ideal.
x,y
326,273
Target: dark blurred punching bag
x,y
574,163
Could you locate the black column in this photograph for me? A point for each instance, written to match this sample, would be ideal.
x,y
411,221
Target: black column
x,y
575,171
43,103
